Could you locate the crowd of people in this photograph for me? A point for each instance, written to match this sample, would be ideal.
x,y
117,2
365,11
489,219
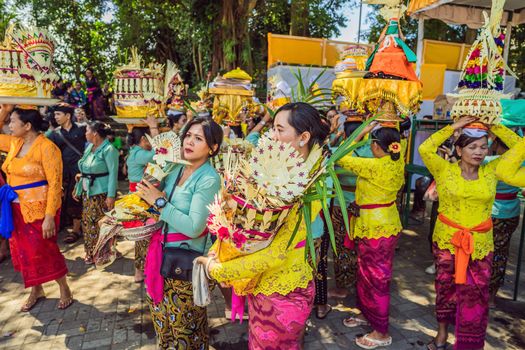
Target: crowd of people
x,y
69,178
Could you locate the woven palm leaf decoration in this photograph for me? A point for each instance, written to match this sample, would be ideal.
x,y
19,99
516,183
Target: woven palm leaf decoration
x,y
481,81
319,190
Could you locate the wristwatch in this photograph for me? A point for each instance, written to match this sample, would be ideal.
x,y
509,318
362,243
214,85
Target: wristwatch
x,y
160,203
262,122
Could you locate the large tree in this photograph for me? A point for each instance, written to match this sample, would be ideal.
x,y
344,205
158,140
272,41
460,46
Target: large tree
x,y
84,38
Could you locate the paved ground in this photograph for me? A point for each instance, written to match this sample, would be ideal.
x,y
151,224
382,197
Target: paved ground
x,y
110,311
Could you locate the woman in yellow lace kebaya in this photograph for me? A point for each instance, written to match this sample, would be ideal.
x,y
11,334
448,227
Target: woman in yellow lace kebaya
x,y
509,169
30,204
283,298
462,240
375,229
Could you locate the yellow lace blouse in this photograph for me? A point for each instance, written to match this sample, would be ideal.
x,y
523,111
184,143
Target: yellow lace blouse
x,y
466,202
280,268
509,169
378,181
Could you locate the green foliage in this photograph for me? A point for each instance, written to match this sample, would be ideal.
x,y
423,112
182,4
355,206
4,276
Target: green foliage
x,y
198,35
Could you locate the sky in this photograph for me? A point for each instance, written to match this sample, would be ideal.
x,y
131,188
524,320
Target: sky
x,y
352,14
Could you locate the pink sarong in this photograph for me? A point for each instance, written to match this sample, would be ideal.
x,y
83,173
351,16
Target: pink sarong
x,y
465,305
374,272
278,321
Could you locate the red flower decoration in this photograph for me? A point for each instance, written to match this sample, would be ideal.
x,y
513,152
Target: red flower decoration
x,y
162,150
394,147
223,233
239,239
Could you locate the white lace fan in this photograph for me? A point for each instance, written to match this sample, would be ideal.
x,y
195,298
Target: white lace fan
x,y
279,169
167,148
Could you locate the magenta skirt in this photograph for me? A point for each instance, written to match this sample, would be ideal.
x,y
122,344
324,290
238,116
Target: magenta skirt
x,y
278,321
374,272
465,305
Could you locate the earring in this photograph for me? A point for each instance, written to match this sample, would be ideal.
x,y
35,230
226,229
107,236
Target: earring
x,y
301,144
210,152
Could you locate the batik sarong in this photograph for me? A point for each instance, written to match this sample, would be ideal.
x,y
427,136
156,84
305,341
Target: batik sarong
x,y
178,322
38,259
92,212
374,271
465,305
345,260
278,321
141,249
503,230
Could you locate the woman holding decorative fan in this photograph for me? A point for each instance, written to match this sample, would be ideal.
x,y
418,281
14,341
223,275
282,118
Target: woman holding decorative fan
x,y
183,206
30,205
376,224
257,251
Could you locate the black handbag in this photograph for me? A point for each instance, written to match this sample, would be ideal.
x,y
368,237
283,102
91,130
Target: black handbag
x,y
177,262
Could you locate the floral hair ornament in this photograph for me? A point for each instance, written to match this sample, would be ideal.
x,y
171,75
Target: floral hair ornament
x,y
395,147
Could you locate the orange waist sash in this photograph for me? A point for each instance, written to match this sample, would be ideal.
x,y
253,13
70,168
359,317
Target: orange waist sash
x,y
464,243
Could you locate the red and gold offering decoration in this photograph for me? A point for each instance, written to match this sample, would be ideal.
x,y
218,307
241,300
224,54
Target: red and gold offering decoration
x,y
391,76
139,90
233,92
27,73
174,88
259,192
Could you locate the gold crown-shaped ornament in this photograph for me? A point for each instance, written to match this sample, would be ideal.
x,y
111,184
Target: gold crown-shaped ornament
x,y
139,90
26,65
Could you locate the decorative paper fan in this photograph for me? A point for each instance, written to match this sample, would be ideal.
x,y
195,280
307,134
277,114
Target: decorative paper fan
x,y
279,169
167,148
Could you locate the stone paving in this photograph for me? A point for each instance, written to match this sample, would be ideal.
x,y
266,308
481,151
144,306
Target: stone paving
x,y
110,310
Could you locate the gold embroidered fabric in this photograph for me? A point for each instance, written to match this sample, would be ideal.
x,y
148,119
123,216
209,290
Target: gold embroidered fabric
x,y
509,169
466,202
42,162
279,268
378,181
405,94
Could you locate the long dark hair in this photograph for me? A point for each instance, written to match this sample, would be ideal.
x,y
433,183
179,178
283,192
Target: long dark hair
x,y
33,117
136,135
213,133
103,129
384,137
303,117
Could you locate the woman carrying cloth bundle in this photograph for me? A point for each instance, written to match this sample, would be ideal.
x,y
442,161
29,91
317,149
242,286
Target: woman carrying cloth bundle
x,y
376,227
282,300
30,204
462,242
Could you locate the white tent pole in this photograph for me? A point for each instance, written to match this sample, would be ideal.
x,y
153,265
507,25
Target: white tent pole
x,y
419,51
506,47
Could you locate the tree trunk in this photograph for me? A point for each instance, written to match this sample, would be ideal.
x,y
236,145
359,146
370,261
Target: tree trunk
x,y
299,18
231,42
